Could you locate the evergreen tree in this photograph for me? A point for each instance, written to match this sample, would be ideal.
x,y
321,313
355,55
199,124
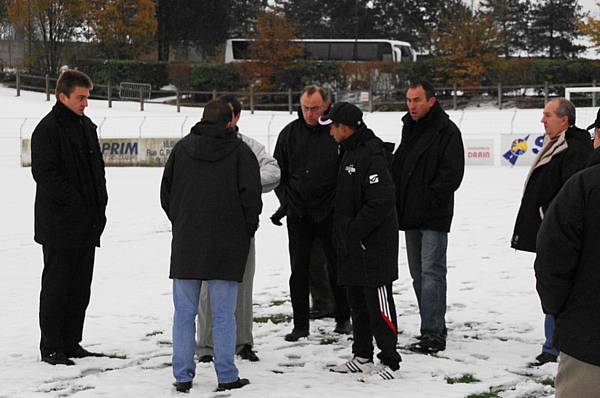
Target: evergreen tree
x,y
512,19
555,28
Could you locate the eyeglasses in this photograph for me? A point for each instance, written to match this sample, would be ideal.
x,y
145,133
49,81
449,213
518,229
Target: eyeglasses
x,y
312,109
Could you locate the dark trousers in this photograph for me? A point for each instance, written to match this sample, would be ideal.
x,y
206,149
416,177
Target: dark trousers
x,y
374,315
64,297
302,233
320,286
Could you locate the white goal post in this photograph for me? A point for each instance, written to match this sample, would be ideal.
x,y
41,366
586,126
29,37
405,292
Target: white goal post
x,y
569,90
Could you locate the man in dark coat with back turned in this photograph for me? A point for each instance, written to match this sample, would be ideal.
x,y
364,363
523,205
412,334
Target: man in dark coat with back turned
x,y
70,203
428,167
211,193
308,159
565,151
568,277
366,236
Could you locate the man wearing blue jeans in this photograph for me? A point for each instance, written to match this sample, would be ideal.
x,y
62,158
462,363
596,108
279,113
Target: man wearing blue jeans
x,y
211,193
428,167
565,151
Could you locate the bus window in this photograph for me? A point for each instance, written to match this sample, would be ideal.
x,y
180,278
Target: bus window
x,y
367,52
241,49
406,53
316,50
385,50
342,52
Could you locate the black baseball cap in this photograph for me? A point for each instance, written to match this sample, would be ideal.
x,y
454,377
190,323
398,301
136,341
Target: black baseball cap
x,y
596,122
343,113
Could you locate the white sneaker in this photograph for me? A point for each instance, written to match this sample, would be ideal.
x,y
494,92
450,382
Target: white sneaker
x,y
355,365
381,373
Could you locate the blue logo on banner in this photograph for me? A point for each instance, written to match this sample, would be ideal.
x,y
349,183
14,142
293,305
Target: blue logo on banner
x,y
517,148
520,146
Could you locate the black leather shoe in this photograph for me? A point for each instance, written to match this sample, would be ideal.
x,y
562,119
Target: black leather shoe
x,y
80,352
344,327
296,334
247,353
205,359
183,386
543,358
429,344
239,383
57,358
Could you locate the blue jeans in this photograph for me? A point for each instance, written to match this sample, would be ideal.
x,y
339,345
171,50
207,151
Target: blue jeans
x,y
223,297
426,252
548,332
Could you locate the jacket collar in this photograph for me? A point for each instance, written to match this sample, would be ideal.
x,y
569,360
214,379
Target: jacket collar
x,y
362,134
65,113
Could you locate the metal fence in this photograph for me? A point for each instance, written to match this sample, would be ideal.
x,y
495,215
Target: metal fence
x,y
370,100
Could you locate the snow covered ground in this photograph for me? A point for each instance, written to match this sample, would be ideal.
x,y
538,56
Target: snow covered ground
x,y
494,318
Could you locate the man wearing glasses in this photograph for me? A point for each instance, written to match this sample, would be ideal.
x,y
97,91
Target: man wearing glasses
x,y
308,159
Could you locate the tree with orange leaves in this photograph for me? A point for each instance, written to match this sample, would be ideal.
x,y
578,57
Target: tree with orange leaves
x,y
272,49
122,28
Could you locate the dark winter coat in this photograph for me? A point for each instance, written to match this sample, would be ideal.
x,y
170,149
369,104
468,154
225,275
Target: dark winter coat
x,y
67,166
211,193
308,159
365,222
544,183
567,268
428,167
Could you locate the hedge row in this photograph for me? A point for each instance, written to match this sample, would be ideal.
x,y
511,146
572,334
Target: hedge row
x,y
338,75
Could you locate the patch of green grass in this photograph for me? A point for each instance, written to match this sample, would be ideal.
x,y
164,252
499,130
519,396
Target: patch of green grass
x,y
328,340
466,378
276,318
548,381
276,303
489,394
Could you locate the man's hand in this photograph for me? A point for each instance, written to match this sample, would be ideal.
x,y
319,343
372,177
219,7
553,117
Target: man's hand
x,y
278,215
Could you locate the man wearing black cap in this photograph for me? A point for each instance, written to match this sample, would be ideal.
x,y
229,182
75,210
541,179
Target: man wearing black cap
x,y
211,193
308,159
596,133
366,237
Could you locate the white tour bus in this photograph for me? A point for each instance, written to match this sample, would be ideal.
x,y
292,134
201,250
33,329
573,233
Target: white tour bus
x,y
335,50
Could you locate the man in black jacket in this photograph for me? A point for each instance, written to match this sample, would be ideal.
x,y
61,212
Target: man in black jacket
x,y
568,277
427,168
565,151
211,193
70,203
366,236
308,159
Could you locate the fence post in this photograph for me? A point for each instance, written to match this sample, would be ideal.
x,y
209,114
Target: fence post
x,y
546,93
252,100
18,83
214,93
109,94
290,100
178,101
594,94
141,100
454,97
499,95
47,88
371,96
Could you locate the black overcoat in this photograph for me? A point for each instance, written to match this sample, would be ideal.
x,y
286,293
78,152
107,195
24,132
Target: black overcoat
x,y
544,183
67,165
428,167
211,193
567,268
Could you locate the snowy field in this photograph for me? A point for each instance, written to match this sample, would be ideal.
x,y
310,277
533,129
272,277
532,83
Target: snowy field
x,y
494,317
